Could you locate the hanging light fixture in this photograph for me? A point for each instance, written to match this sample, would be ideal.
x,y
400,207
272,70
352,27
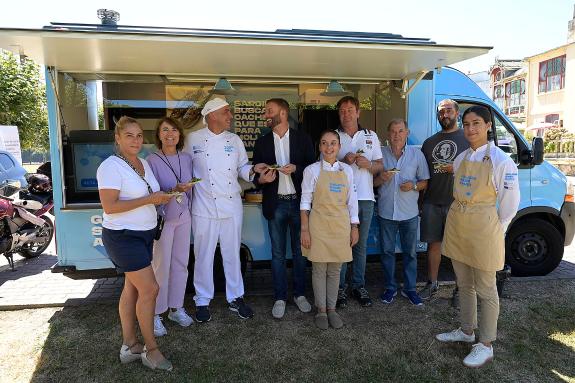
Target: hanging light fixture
x,y
224,87
333,89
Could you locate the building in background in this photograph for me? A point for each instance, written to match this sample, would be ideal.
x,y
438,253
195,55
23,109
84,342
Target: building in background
x,y
482,80
507,79
551,91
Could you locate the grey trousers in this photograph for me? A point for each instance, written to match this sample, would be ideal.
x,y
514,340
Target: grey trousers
x,y
325,281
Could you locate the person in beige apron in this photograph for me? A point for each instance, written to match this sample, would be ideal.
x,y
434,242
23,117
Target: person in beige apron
x,y
475,232
329,225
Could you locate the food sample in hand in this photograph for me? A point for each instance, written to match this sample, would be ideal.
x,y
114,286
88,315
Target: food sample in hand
x,y
441,164
274,166
176,194
359,151
393,170
194,181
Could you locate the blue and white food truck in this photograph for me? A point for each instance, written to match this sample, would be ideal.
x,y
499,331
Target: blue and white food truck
x,y
97,73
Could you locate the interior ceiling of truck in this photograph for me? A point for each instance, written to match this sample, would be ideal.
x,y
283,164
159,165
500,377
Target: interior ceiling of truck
x,y
244,56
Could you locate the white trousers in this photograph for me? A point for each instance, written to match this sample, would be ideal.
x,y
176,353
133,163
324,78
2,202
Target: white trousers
x,y
207,233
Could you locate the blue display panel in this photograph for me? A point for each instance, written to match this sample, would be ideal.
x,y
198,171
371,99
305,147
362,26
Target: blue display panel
x,y
87,158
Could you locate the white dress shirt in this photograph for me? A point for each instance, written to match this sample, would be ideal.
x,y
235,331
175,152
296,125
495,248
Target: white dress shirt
x,y
310,177
505,178
281,147
368,142
218,159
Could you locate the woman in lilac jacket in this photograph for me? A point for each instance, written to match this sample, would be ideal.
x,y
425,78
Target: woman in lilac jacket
x,y
173,170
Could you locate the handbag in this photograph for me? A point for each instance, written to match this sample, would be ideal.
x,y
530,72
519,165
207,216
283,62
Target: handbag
x,y
160,222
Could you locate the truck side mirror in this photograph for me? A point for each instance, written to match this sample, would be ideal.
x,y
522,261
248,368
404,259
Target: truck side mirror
x,y
537,150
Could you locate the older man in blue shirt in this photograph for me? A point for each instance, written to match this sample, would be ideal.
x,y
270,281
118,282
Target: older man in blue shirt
x,y
405,175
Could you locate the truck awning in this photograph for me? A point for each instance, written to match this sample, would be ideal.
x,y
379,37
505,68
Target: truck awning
x,y
284,54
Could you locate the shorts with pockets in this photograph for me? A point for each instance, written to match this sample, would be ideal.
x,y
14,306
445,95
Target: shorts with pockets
x,y
433,219
129,250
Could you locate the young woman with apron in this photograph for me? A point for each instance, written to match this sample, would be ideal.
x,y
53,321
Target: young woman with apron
x,y
486,193
329,225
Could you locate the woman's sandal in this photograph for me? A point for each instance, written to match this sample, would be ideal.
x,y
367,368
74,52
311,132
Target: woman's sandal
x,y
126,354
165,364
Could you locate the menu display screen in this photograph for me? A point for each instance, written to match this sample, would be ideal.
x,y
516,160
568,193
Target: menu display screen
x,y
87,158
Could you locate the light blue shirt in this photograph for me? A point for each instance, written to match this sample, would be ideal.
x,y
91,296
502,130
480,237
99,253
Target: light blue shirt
x,y
393,203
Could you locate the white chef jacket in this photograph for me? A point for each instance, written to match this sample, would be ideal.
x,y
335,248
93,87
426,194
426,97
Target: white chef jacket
x,y
505,178
367,141
281,148
218,159
310,177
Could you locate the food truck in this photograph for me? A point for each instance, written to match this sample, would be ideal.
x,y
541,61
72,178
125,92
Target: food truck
x,y
97,73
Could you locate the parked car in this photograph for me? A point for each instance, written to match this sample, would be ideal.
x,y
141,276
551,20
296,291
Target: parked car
x,y
10,169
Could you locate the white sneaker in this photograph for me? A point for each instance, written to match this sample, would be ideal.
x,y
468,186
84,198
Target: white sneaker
x,y
279,309
159,329
181,317
302,304
479,356
455,336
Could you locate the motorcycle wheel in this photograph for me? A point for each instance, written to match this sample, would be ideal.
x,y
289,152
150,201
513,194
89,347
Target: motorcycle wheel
x,y
43,239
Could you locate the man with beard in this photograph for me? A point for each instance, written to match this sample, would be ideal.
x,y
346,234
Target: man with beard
x,y
440,150
361,149
287,152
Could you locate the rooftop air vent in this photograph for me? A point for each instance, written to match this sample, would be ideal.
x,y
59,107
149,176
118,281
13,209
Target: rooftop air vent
x,y
109,17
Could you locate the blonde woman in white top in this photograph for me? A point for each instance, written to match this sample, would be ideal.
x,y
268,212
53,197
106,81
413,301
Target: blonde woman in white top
x,y
128,193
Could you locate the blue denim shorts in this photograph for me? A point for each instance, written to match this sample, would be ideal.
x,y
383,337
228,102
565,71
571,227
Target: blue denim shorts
x,y
129,250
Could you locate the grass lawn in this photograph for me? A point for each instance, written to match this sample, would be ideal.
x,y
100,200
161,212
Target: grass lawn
x,y
383,343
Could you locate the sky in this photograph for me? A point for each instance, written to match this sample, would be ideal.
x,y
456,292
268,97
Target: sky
x,y
515,29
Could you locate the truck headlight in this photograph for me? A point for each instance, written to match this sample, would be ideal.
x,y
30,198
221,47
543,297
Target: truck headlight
x,y
569,194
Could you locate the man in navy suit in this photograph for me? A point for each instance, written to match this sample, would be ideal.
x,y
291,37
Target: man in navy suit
x,y
289,150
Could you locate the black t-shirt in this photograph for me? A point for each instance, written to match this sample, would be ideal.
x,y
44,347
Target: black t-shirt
x,y
439,149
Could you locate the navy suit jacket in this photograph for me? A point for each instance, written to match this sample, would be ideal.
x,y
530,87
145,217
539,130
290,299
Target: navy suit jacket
x,y
301,154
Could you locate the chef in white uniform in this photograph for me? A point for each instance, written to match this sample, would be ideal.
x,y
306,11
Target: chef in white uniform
x,y
219,158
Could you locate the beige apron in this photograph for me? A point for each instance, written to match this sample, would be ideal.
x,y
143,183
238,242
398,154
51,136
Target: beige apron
x,y
329,221
473,234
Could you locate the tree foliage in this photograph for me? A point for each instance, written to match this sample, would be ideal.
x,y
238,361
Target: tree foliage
x,y
23,101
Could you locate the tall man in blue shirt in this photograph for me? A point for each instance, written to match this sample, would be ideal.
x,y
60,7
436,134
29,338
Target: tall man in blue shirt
x,y
405,174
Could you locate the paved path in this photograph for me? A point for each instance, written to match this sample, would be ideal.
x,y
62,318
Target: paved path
x,y
34,285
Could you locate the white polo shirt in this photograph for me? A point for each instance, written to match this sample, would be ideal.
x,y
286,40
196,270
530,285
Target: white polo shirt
x,y
368,142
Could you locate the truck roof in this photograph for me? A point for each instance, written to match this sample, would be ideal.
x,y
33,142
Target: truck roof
x,y
284,54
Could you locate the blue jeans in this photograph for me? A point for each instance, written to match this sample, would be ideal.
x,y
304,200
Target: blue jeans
x,y
359,250
407,236
287,214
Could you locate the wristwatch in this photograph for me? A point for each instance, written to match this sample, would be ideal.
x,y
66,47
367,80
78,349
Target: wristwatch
x,y
415,186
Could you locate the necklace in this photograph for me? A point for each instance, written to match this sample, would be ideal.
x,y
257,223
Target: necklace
x,y
179,198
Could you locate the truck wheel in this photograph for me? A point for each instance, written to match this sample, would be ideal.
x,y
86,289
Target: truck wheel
x,y
533,247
